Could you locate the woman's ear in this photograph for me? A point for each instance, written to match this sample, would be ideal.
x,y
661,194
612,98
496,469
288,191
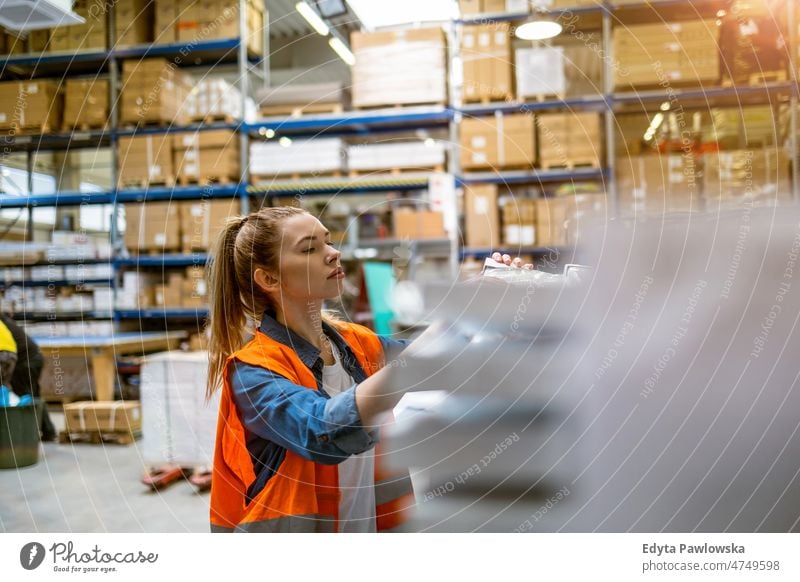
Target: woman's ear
x,y
265,280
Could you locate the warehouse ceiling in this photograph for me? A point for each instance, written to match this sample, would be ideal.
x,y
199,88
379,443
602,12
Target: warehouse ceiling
x,y
286,22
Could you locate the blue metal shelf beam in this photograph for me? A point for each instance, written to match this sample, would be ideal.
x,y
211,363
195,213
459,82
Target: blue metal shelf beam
x,y
531,177
175,260
162,313
57,283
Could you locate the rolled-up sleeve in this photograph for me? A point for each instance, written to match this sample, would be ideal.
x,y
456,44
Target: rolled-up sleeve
x,y
320,429
392,347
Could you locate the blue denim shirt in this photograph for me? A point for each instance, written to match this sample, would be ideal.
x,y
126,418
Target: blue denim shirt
x,y
279,414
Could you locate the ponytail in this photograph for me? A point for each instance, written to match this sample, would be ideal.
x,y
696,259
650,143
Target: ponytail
x,y
227,316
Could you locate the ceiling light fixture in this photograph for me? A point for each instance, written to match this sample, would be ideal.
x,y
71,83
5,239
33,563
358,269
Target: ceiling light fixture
x,y
341,49
540,26
312,18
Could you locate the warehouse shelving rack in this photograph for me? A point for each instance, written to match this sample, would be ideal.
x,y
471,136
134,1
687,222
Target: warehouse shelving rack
x,y
66,64
612,102
609,102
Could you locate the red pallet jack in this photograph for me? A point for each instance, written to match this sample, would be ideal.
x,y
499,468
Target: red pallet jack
x,y
158,478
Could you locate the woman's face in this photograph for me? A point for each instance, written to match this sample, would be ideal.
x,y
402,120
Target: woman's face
x,y
309,264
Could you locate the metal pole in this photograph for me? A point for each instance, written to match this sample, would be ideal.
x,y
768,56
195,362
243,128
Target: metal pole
x,y
610,118
244,87
454,158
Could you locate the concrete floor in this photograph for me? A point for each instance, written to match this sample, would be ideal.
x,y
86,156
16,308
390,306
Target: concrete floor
x,y
94,488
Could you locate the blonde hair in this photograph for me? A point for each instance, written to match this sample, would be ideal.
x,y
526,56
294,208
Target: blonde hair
x,y
244,244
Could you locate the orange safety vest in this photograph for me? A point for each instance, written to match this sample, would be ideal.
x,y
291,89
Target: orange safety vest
x,y
302,496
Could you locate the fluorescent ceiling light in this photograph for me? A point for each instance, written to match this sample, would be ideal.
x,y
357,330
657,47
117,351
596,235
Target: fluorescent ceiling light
x,y
375,14
24,15
341,49
538,29
312,18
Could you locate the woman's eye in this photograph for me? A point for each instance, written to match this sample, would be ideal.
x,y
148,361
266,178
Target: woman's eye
x,y
330,244
311,250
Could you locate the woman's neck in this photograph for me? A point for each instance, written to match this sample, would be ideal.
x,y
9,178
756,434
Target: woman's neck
x,y
304,319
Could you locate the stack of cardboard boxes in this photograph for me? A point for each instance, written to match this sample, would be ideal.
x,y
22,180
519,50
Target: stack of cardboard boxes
x,y
666,53
206,156
30,106
186,288
11,43
399,67
145,160
201,20
133,22
414,224
500,141
735,177
570,139
486,54
153,91
91,34
176,225
659,183
85,104
519,222
474,7
481,220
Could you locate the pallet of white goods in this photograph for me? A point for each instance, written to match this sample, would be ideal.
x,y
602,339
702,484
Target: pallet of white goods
x,y
178,425
540,71
214,98
399,67
395,155
311,97
309,156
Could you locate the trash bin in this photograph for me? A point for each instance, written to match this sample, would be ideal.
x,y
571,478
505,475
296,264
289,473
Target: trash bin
x,y
19,435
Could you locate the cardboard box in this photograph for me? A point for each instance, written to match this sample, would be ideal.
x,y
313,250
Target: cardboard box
x,y
153,226
472,7
401,67
487,59
165,28
35,105
118,416
219,19
170,293
552,221
419,224
481,216
85,103
134,22
195,287
14,44
207,156
570,139
153,91
658,183
735,177
38,40
519,221
499,141
144,160
202,220
666,52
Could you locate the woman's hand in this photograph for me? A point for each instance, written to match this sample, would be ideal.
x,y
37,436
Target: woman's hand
x,y
506,260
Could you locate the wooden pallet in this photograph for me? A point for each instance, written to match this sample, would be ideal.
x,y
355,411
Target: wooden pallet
x,y
209,119
542,98
392,171
256,178
205,180
570,164
300,110
35,129
491,100
81,127
398,107
143,183
99,437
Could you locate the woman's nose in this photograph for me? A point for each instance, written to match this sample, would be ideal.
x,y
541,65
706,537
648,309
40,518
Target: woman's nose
x,y
334,256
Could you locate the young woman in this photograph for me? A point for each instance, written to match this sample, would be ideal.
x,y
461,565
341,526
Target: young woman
x,y
302,401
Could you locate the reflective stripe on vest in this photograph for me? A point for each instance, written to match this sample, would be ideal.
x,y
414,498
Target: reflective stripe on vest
x,y
301,496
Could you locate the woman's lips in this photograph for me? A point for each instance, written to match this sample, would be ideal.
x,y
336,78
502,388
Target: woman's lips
x,y
337,274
